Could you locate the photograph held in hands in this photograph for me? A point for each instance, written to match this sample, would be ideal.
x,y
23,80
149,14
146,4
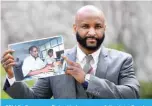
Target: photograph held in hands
x,y
38,58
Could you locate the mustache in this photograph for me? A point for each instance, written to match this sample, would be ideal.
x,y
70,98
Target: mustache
x,y
92,37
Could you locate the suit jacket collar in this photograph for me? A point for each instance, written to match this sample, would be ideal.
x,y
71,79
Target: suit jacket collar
x,y
71,54
102,62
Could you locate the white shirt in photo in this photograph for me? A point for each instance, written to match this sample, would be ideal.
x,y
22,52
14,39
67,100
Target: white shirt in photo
x,y
30,64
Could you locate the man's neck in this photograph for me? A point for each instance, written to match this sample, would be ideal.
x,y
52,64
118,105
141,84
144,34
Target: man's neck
x,y
34,57
86,51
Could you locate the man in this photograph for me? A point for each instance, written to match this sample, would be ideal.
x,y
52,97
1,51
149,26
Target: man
x,y
50,59
93,71
32,62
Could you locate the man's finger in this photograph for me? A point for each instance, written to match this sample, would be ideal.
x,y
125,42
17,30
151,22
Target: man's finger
x,y
69,68
12,64
7,52
8,56
70,72
9,65
9,61
78,65
69,61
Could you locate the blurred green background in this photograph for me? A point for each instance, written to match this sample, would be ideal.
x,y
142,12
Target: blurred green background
x,y
3,77
145,89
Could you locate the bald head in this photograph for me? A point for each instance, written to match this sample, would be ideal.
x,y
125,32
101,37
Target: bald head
x,y
88,11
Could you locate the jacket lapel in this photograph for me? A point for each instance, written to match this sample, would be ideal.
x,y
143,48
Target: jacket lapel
x,y
102,63
71,54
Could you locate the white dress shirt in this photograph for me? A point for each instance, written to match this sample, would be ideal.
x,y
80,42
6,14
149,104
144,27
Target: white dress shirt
x,y
30,64
80,58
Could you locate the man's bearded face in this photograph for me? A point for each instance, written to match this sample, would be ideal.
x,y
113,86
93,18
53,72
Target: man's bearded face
x,y
90,42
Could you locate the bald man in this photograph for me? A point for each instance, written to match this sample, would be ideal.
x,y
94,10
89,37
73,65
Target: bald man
x,y
93,71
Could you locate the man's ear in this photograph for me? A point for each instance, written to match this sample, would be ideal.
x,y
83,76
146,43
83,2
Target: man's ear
x,y
74,28
105,27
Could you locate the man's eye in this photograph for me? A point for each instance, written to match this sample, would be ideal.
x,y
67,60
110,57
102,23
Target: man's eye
x,y
85,27
98,27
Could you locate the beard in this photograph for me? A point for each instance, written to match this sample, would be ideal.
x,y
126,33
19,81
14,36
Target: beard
x,y
83,42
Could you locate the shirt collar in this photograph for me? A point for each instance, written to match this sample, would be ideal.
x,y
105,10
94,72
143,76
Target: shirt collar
x,y
95,55
81,55
33,57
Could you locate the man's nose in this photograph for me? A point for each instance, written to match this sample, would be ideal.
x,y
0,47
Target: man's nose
x,y
91,32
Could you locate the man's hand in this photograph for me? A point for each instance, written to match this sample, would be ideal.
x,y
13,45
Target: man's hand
x,y
7,62
75,70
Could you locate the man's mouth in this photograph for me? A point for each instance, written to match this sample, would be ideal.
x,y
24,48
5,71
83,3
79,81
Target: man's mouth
x,y
92,40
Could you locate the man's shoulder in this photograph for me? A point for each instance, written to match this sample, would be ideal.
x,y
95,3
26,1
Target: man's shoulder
x,y
113,53
27,58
